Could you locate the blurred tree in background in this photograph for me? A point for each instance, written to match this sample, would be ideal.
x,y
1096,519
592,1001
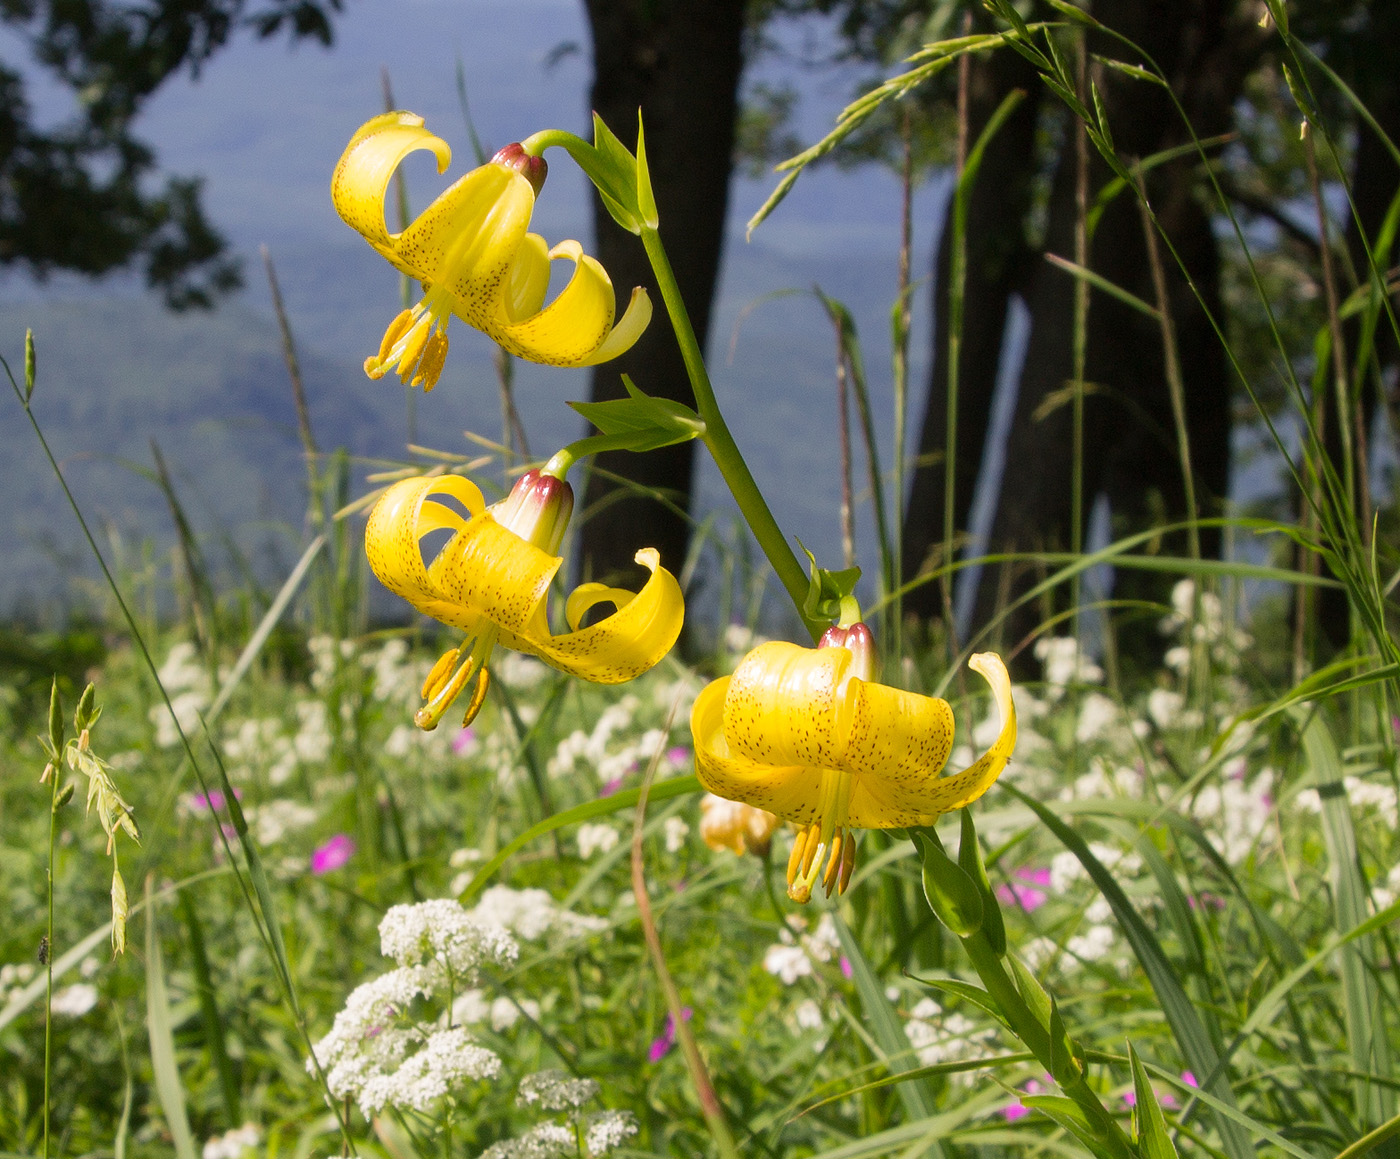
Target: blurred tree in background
x,y
76,196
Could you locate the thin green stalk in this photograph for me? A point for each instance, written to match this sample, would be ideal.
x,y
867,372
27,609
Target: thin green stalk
x,y
262,913
720,442
1081,333
902,319
48,944
1028,1029
1176,388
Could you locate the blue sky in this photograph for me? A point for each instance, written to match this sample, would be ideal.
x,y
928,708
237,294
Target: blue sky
x,y
264,124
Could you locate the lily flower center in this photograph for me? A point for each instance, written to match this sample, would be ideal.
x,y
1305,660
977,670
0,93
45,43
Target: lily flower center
x,y
451,674
415,344
824,850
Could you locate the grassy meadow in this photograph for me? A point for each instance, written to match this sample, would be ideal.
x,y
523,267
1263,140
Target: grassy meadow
x,y
1168,928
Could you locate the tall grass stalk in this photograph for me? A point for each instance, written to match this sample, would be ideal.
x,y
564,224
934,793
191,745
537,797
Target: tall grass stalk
x,y
262,911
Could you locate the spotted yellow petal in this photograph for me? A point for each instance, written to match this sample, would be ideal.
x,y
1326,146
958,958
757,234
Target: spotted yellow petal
x,y
898,743
464,243
486,571
573,326
365,168
781,708
944,794
529,279
401,517
789,791
624,334
622,646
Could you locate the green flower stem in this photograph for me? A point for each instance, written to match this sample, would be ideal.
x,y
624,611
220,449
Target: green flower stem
x,y
562,462
1029,1030
720,442
48,943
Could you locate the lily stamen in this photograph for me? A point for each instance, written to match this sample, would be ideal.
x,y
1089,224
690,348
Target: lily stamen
x,y
441,693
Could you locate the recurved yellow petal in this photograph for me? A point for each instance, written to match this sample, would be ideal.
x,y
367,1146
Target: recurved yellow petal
x,y
959,789
401,517
623,336
363,172
781,708
572,326
616,649
790,791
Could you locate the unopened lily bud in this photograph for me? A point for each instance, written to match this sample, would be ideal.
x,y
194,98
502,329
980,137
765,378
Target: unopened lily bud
x,y
736,826
533,169
859,641
538,510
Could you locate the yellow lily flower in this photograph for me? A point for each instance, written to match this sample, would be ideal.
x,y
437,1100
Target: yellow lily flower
x,y
491,580
474,254
807,734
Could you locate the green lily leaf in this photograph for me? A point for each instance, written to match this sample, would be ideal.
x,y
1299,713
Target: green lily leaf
x,y
952,894
641,422
827,589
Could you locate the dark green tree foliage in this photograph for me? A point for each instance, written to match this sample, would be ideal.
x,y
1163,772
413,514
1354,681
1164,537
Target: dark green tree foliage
x,y
82,195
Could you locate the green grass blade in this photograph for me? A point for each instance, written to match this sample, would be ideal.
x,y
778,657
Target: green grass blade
x,y
1150,1132
1365,1021
1190,1033
661,791
209,1010
885,1029
169,1091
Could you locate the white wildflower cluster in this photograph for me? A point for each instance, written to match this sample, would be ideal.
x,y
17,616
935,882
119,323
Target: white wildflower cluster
x,y
1385,895
530,914
74,1001
1377,796
442,931
552,1090
517,671
938,1036
1065,664
595,837
396,676
795,953
186,682
383,1049
234,1144
1236,811
473,1007
675,830
327,655
14,977
1199,618
613,749
273,820
262,749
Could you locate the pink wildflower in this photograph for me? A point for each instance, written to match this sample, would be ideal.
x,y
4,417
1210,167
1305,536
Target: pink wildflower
x,y
333,854
1024,893
464,741
661,1046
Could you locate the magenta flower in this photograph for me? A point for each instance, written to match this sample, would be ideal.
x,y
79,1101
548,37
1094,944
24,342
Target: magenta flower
x,y
464,741
610,787
847,971
661,1046
678,756
1013,1111
1025,892
1189,1079
333,854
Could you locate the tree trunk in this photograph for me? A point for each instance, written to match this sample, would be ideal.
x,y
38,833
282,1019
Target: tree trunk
x,y
679,61
998,255
1129,449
